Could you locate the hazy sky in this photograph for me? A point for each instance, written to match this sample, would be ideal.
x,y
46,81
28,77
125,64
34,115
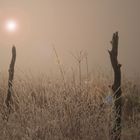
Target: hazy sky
x,y
71,26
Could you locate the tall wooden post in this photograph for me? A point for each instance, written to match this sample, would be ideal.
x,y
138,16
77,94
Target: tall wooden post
x,y
116,87
11,77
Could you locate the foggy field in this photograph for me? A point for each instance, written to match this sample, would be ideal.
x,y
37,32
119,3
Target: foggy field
x,y
45,109
69,70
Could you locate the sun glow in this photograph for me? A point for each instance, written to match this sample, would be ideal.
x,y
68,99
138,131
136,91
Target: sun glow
x,y
11,25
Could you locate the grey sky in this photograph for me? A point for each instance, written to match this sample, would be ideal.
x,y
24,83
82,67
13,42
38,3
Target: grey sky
x,y
71,26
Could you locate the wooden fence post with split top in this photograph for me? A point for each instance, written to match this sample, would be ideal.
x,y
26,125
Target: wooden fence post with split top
x,y
116,87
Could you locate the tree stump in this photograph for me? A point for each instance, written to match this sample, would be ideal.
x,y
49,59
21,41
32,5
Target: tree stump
x,y
11,77
116,87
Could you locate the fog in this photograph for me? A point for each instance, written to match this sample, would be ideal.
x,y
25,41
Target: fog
x,y
70,26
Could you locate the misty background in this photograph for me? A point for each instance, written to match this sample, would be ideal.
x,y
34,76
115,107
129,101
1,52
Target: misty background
x,y
70,26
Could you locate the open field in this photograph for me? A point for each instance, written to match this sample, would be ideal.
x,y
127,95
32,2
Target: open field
x,y
69,70
45,108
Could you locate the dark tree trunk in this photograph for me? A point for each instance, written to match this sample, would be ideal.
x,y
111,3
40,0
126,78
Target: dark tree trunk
x,y
116,87
11,77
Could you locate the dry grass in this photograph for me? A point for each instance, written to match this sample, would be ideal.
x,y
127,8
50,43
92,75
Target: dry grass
x,y
46,109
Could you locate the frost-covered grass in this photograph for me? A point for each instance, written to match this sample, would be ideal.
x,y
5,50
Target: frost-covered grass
x,y
47,109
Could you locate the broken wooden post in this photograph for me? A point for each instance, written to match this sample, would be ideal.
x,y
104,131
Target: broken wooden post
x,y
11,77
116,87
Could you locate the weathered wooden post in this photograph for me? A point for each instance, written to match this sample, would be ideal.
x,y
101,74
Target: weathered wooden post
x,y
116,87
11,77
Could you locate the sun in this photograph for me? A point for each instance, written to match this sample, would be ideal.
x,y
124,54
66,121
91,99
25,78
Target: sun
x,y
11,25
